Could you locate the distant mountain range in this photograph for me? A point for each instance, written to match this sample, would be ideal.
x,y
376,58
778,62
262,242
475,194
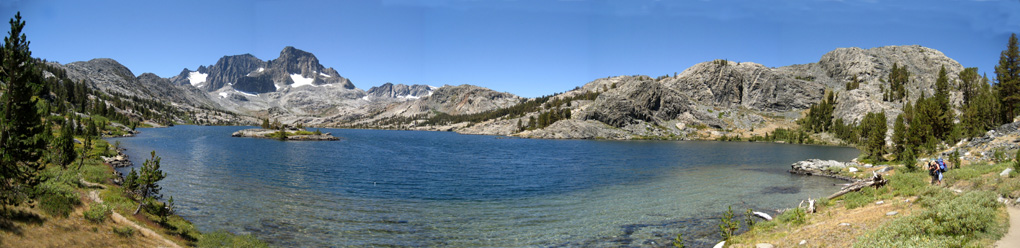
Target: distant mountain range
x,y
725,96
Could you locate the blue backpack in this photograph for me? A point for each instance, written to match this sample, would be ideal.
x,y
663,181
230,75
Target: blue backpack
x,y
942,165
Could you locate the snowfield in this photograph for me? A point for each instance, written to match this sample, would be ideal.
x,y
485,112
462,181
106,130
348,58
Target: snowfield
x,y
197,78
300,80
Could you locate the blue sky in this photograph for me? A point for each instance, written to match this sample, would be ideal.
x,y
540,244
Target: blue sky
x,y
529,48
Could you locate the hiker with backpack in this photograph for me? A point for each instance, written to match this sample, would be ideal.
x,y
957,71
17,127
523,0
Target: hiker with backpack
x,y
941,168
933,171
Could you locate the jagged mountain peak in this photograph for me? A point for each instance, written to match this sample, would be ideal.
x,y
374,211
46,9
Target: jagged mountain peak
x,y
400,91
296,61
247,73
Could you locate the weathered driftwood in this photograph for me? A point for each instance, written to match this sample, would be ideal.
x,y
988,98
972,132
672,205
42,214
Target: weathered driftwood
x,y
875,181
762,215
811,206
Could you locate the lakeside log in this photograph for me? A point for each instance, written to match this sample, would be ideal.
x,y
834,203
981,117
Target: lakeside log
x,y
762,215
875,181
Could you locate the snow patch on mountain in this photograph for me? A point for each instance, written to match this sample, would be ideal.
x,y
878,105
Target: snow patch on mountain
x,y
300,80
197,78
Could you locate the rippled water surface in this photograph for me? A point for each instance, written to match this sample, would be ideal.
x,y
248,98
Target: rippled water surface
x,y
412,188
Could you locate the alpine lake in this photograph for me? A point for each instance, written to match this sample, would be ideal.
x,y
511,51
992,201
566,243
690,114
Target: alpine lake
x,y
442,189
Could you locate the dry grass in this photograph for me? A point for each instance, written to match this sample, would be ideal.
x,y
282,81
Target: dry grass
x,y
32,228
826,228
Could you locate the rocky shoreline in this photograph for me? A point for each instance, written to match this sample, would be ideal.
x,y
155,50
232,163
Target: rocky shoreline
x,y
831,168
291,135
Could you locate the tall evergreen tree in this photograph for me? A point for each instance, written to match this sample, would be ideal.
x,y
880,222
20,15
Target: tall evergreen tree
x,y
873,128
943,124
981,113
899,136
21,144
969,79
64,145
1008,75
898,78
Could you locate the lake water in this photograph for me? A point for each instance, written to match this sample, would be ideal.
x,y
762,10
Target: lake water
x,y
414,188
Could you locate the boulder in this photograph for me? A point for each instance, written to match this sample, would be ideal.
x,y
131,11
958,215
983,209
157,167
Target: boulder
x,y
1005,173
818,164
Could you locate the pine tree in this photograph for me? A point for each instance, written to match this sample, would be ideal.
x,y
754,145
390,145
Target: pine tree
x,y
898,78
64,145
969,80
981,113
943,124
899,137
20,123
873,128
1008,75
131,182
147,181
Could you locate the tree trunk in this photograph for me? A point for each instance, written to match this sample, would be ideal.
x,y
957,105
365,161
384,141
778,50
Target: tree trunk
x,y
876,181
139,207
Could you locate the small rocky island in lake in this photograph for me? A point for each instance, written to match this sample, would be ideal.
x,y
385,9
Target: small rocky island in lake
x,y
285,134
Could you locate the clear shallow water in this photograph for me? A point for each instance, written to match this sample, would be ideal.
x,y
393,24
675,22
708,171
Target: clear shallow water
x,y
412,188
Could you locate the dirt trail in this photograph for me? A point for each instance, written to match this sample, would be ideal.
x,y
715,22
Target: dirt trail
x,y
145,231
1012,238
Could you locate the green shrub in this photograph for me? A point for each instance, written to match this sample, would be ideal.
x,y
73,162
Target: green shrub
x,y
1016,164
280,135
932,196
973,171
124,231
908,183
56,198
96,173
678,242
1008,187
860,198
97,213
749,218
951,221
55,175
999,156
967,214
795,216
223,238
181,227
728,226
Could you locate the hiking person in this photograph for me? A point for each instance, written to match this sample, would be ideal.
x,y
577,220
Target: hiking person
x,y
941,169
932,171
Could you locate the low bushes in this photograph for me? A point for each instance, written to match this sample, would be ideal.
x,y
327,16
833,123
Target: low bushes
x,y
795,216
97,213
908,183
57,198
951,221
124,231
